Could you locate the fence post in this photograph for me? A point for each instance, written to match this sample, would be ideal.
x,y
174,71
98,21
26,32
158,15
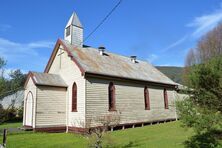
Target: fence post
x,y
4,137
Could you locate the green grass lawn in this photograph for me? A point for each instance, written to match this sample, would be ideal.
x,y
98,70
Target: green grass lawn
x,y
161,135
10,125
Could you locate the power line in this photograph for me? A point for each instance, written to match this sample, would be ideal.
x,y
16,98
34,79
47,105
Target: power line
x,y
103,20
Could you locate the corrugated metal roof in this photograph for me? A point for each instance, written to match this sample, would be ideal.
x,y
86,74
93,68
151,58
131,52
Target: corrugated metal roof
x,y
48,79
115,65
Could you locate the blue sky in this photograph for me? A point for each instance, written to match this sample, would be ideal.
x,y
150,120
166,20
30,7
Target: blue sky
x,y
157,31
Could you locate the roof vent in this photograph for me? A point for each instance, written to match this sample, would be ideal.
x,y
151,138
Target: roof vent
x,y
101,50
133,59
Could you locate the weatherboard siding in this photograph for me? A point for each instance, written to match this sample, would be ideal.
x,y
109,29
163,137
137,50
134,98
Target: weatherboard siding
x,y
30,87
70,73
77,36
50,107
129,101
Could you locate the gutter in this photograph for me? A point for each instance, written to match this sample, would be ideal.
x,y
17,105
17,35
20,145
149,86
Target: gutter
x,y
127,78
51,85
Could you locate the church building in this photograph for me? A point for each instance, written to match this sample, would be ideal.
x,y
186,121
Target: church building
x,y
81,83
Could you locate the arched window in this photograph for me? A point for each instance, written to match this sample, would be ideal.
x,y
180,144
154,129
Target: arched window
x,y
165,99
74,97
112,100
146,98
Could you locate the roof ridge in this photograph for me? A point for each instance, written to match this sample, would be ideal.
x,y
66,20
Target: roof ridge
x,y
125,56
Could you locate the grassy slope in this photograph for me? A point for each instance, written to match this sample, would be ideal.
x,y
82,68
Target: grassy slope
x,y
174,73
162,135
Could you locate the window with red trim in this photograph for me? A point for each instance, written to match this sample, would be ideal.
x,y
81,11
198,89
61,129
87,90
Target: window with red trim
x,y
112,101
165,99
146,98
74,97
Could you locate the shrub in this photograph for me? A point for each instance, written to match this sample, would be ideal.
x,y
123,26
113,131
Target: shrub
x,y
3,114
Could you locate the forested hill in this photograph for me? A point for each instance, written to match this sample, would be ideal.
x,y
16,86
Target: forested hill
x,y
174,73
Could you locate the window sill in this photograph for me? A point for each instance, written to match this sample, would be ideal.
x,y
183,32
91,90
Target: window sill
x,y
147,108
74,110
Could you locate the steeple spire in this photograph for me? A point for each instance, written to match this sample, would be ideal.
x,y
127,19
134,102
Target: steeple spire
x,y
74,20
74,31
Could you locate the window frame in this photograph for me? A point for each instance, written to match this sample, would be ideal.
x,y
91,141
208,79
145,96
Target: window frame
x,y
68,31
165,95
146,98
74,97
112,97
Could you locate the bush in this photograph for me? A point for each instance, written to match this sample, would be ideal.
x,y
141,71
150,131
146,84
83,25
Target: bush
x,y
10,114
3,114
205,140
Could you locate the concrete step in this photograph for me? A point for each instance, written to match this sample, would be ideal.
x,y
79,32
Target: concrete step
x,y
24,128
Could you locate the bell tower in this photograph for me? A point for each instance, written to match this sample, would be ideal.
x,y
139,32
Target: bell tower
x,y
74,31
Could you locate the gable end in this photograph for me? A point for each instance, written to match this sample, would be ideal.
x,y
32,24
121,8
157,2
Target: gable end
x,y
52,57
30,75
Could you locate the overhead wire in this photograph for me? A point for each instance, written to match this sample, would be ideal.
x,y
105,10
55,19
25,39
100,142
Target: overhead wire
x,y
103,20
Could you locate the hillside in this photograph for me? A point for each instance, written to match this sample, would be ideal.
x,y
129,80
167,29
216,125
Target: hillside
x,y
174,73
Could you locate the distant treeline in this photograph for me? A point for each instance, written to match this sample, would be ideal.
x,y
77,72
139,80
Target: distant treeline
x,y
174,73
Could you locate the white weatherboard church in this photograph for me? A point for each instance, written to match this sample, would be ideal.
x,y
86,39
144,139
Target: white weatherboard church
x,y
81,83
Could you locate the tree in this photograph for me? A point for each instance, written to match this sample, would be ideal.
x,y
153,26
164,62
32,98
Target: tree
x,y
209,46
202,110
2,65
3,114
3,81
17,79
9,86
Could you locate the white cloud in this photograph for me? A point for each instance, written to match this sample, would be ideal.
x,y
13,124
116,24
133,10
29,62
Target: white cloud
x,y
9,48
201,25
24,55
174,44
172,64
151,58
40,44
205,23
